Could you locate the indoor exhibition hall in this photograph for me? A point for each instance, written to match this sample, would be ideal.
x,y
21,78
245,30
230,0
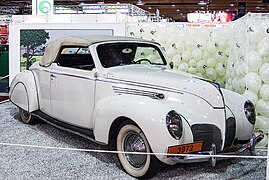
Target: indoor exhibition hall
x,y
139,89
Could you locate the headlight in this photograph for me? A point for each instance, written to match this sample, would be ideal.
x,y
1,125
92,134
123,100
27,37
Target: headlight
x,y
250,112
174,124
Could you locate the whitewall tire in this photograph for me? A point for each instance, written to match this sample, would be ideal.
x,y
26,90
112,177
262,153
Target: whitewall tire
x,y
131,139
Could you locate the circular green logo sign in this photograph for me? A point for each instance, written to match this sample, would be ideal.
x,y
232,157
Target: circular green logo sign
x,y
44,7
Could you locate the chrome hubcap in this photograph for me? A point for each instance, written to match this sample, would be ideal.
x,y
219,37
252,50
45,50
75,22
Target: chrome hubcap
x,y
25,115
134,143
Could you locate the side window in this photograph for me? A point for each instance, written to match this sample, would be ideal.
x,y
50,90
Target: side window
x,y
75,57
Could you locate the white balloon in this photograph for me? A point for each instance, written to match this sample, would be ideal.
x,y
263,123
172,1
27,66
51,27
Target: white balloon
x,y
242,69
227,52
262,107
206,55
264,92
255,33
222,43
211,74
179,46
201,43
251,96
264,73
262,123
183,67
235,83
241,85
210,46
201,66
190,45
177,60
254,61
170,53
219,55
197,54
192,63
192,70
263,46
229,81
221,69
253,82
211,62
186,55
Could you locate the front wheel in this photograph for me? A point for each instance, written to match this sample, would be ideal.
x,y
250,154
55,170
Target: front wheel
x,y
27,118
131,139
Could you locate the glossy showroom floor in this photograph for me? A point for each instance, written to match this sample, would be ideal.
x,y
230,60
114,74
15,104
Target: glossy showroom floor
x,y
36,163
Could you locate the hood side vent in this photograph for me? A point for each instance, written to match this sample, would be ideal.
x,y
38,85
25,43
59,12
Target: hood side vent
x,y
153,95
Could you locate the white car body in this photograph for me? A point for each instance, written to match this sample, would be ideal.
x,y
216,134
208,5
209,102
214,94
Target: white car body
x,y
96,101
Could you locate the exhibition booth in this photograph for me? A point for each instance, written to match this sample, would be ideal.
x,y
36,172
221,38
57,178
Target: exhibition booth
x,y
235,55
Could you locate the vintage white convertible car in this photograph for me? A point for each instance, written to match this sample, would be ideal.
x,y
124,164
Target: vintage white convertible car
x,y
104,87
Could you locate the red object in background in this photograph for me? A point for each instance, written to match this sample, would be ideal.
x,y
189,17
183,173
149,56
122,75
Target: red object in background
x,y
229,16
3,30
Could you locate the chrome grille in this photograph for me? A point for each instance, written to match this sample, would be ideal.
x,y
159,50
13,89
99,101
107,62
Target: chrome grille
x,y
208,134
153,95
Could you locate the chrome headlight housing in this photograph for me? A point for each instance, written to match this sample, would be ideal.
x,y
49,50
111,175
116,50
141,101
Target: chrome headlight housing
x,y
174,124
250,113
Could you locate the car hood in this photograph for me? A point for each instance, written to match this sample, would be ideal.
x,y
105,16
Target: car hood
x,y
166,79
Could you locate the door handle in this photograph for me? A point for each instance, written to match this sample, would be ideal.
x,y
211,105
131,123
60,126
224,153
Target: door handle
x,y
52,76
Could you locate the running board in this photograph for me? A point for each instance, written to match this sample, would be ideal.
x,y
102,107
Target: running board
x,y
83,132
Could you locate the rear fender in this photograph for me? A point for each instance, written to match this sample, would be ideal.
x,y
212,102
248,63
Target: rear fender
x,y
23,92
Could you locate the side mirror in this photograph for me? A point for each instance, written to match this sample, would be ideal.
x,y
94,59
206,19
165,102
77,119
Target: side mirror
x,y
171,64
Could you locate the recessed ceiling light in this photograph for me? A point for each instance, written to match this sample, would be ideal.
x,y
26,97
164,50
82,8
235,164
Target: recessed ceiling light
x,y
232,4
173,5
258,7
202,3
140,3
177,10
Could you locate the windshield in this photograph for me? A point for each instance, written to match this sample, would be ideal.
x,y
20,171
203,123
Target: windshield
x,y
118,54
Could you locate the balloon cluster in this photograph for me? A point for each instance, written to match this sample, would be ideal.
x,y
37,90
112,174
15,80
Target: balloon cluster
x,y
236,56
203,52
248,66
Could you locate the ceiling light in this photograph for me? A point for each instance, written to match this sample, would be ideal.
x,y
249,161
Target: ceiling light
x,y
232,4
173,5
258,7
177,10
202,3
140,3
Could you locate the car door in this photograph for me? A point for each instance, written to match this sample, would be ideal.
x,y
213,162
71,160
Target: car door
x,y
72,87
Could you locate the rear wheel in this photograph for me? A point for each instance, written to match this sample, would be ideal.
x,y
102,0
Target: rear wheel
x,y
131,139
27,118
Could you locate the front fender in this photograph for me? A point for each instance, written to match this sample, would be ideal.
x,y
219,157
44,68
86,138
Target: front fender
x,y
23,92
235,102
149,114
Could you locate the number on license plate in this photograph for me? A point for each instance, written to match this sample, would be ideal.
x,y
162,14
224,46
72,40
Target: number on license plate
x,y
185,148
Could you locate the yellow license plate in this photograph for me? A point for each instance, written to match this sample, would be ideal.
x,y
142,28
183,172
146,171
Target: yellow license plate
x,y
185,148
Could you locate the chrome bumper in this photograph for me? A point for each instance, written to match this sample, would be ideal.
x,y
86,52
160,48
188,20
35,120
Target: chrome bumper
x,y
212,159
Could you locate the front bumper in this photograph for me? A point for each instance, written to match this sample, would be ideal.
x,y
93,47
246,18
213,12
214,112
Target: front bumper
x,y
211,155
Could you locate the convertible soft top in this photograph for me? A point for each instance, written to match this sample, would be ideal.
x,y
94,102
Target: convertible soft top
x,y
54,47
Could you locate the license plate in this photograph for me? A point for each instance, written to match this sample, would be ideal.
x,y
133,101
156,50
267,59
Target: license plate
x,y
185,148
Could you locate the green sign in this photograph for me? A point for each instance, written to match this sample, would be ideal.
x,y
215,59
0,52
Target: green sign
x,y
45,6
